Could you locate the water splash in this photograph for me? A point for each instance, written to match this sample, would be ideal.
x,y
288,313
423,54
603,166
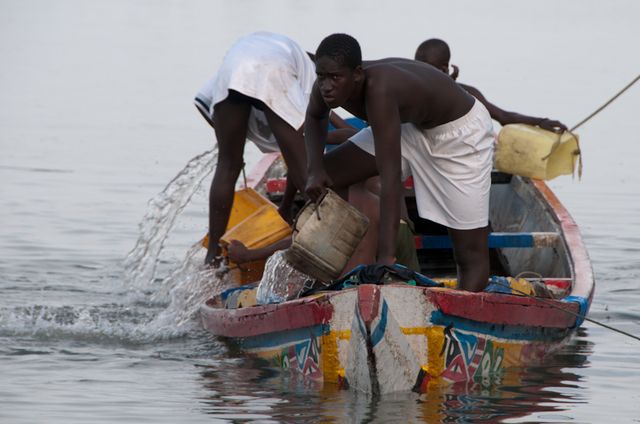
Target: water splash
x,y
106,323
281,281
188,287
141,263
189,283
124,315
139,305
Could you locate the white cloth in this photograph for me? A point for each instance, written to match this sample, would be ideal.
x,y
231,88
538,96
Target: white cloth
x,y
451,167
268,67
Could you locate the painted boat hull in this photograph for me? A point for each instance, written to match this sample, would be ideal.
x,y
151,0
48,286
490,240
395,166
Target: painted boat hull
x,y
384,339
397,337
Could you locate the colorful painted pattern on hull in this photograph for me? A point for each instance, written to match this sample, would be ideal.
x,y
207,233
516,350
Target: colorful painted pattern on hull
x,y
450,349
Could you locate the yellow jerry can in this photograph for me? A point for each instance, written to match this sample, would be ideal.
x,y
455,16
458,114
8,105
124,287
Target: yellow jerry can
x,y
256,223
536,153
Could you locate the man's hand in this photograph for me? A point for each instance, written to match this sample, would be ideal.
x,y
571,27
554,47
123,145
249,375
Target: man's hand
x,y
213,259
552,125
317,184
238,252
455,72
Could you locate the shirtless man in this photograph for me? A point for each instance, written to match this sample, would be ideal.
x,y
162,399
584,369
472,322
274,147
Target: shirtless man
x,y
436,52
420,119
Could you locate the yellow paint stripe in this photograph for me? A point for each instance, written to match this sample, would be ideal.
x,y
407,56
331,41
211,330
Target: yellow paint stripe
x,y
342,334
414,330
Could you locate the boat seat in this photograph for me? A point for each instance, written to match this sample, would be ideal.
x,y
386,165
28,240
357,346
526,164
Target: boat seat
x,y
496,240
277,185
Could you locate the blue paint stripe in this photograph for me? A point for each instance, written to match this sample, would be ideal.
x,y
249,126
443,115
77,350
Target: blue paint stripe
x,y
496,240
583,303
378,332
513,332
283,338
360,322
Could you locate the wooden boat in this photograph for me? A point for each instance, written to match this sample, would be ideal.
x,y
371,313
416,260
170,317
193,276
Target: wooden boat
x,y
399,337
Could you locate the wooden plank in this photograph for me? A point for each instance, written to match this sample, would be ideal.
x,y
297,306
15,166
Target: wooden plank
x,y
496,240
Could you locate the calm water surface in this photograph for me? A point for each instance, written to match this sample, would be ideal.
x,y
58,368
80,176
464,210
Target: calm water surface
x,y
96,119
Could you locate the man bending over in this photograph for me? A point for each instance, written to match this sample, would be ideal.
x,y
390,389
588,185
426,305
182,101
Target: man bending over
x,y
259,92
421,120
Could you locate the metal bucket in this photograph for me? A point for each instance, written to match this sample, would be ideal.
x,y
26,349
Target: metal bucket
x,y
325,236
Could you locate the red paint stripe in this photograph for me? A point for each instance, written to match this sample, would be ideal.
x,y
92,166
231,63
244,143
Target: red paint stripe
x,y
408,183
503,309
266,319
368,302
561,284
276,185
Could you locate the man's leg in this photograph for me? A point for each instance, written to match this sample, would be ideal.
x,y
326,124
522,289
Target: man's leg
x,y
288,198
231,118
369,204
348,164
291,143
471,252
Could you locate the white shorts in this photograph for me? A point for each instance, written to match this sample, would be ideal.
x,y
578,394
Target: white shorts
x,y
268,67
258,129
451,167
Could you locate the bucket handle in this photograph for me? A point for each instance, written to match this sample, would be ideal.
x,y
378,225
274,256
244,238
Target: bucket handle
x,y
308,204
576,152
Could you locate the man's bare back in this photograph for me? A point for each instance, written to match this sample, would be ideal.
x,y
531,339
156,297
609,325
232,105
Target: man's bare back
x,y
413,87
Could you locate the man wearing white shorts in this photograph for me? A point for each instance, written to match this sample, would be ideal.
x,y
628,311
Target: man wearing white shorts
x,y
420,121
260,92
451,167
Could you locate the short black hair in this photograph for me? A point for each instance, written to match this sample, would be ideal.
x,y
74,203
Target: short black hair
x,y
433,50
342,48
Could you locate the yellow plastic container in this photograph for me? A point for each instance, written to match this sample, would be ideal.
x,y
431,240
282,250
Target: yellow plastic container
x,y
536,153
255,222
261,228
245,202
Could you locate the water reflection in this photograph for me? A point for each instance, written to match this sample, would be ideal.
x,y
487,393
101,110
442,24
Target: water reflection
x,y
245,390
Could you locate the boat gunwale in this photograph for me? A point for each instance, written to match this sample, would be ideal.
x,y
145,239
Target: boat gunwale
x,y
264,319
583,279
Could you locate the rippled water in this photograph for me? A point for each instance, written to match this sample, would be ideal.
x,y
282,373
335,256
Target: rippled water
x,y
104,173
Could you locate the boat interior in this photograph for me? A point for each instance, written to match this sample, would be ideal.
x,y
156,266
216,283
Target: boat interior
x,y
525,237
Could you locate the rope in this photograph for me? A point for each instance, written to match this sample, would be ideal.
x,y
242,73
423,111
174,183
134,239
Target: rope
x,y
605,105
546,302
577,152
244,175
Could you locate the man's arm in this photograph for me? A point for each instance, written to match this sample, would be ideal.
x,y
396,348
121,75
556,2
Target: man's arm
x,y
240,254
315,133
384,117
341,135
337,122
342,132
506,117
